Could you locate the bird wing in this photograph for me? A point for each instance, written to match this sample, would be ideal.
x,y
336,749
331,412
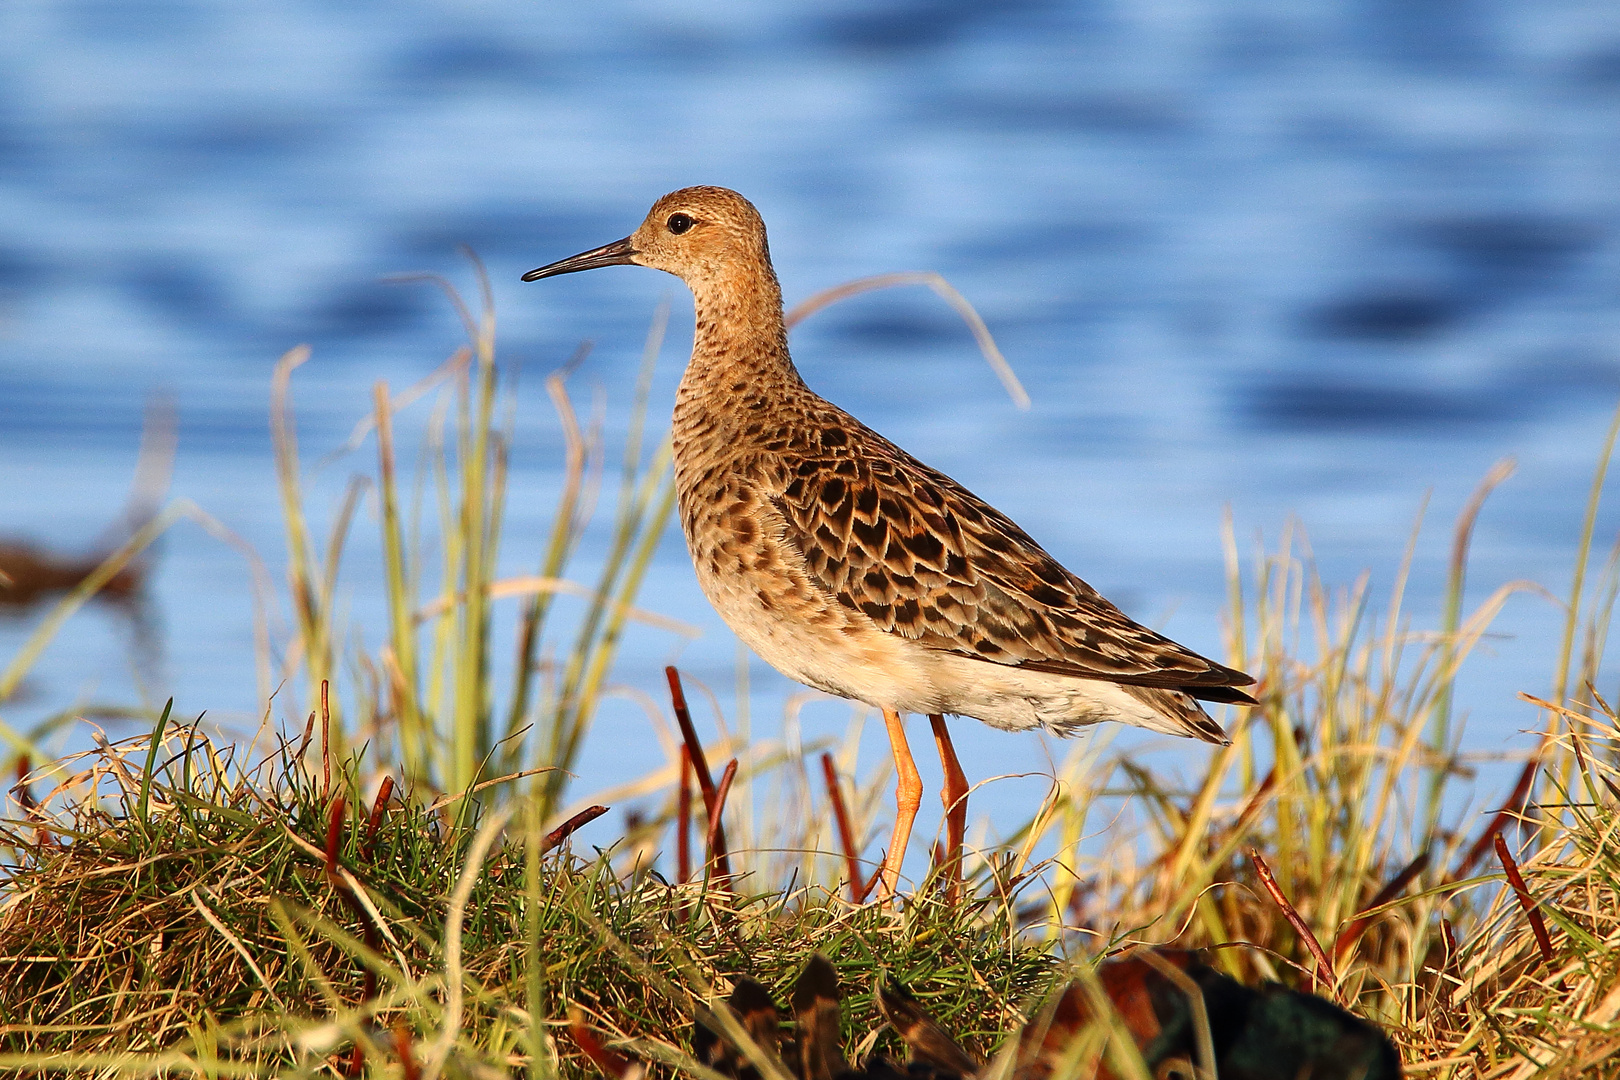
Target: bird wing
x,y
925,558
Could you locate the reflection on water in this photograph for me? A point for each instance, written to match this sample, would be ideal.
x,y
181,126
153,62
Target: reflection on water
x,y
31,575
35,579
1295,259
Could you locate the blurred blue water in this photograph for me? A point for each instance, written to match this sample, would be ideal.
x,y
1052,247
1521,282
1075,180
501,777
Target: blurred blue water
x,y
1296,259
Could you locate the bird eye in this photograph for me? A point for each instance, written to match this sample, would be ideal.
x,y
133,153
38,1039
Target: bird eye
x,y
679,223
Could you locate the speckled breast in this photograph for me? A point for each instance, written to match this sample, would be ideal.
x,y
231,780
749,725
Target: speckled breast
x,y
751,575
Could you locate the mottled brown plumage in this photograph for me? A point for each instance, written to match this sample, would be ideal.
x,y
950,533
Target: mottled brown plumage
x,y
818,1020
752,1005
931,1045
851,566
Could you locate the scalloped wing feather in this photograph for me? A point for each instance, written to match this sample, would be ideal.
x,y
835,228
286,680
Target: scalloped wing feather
x,y
921,556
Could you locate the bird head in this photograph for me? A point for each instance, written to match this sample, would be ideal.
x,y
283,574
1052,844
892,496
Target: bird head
x,y
703,235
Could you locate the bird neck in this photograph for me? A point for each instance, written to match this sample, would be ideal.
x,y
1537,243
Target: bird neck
x,y
739,343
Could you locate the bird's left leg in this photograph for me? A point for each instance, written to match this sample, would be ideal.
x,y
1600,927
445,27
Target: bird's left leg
x,y
907,798
954,796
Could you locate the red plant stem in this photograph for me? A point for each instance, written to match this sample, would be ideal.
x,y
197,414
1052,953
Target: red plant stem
x,y
1397,885
1515,803
334,841
609,1062
368,980
1256,797
871,882
1538,925
1450,965
368,985
683,820
846,835
566,829
683,717
402,1047
1250,806
30,805
714,855
334,837
25,794
326,745
309,732
1324,967
378,808
700,765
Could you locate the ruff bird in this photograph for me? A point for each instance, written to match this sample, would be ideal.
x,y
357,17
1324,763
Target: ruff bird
x,y
852,567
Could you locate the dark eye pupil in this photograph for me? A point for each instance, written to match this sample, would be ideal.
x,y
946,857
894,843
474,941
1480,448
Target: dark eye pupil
x,y
679,223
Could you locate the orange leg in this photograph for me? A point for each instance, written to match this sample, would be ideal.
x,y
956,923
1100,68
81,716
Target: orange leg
x,y
954,796
907,797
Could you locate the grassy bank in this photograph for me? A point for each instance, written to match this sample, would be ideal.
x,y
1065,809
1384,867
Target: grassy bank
x,y
204,916
393,873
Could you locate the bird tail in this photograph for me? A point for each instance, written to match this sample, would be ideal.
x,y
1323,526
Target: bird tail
x,y
1180,712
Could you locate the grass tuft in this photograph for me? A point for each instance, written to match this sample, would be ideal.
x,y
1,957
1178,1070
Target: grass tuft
x,y
279,929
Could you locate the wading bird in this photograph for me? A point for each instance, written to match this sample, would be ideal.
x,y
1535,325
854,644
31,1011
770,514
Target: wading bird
x,y
852,567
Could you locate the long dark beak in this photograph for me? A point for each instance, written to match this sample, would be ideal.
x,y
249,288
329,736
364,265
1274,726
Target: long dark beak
x,y
618,253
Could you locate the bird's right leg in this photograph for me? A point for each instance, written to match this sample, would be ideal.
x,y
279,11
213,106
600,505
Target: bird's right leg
x,y
954,795
907,798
